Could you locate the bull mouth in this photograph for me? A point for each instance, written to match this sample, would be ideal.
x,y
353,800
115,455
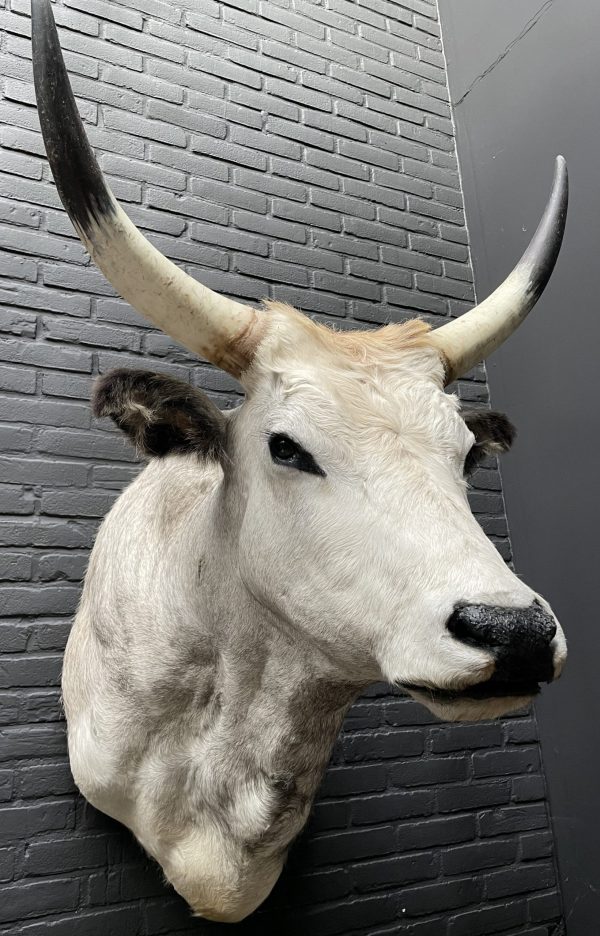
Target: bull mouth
x,y
492,688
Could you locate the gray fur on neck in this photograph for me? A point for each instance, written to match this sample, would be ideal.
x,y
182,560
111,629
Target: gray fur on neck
x,y
205,710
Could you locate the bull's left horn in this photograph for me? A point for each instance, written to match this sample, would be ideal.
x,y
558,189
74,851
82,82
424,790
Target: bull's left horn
x,y
220,329
472,337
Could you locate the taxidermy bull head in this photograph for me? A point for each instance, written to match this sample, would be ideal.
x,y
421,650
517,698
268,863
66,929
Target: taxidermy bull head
x,y
272,561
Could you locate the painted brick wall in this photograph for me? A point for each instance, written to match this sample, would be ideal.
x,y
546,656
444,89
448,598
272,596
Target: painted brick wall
x,y
294,149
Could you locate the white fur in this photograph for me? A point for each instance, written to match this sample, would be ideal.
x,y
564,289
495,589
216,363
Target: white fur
x,y
230,616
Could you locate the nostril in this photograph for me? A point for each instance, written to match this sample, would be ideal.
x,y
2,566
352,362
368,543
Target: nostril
x,y
471,624
524,630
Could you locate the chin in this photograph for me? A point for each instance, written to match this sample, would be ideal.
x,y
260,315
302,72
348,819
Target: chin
x,y
483,701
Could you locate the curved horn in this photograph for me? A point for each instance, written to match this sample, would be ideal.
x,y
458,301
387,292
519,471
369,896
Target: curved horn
x,y
219,329
472,337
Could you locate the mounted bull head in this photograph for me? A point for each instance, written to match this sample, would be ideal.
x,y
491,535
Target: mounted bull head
x,y
272,561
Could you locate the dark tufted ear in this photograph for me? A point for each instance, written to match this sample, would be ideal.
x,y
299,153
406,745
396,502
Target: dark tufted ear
x,y
159,414
494,434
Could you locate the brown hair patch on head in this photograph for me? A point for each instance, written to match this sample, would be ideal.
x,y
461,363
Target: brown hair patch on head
x,y
367,346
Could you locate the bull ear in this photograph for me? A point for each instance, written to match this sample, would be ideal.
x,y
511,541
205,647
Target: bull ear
x,y
160,415
494,433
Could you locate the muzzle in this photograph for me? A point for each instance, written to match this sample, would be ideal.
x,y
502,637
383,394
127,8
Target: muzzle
x,y
519,640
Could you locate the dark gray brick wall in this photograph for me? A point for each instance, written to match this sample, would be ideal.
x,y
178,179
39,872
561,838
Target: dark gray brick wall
x,y
304,151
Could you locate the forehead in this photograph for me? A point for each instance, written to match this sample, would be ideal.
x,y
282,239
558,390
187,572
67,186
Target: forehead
x,y
292,340
389,378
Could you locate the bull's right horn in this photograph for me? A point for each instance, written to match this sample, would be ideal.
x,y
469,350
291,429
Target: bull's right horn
x,y
222,330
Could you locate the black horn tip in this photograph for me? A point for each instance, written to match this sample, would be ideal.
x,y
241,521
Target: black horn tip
x,y
542,253
560,185
78,178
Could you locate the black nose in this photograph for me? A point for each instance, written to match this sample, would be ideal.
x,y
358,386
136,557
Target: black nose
x,y
519,638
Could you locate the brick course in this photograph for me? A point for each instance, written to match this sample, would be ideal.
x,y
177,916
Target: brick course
x,y
290,149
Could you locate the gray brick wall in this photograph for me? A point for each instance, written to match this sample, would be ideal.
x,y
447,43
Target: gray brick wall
x,y
296,149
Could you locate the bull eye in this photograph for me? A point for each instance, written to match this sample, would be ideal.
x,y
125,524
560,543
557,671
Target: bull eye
x,y
284,451
282,448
